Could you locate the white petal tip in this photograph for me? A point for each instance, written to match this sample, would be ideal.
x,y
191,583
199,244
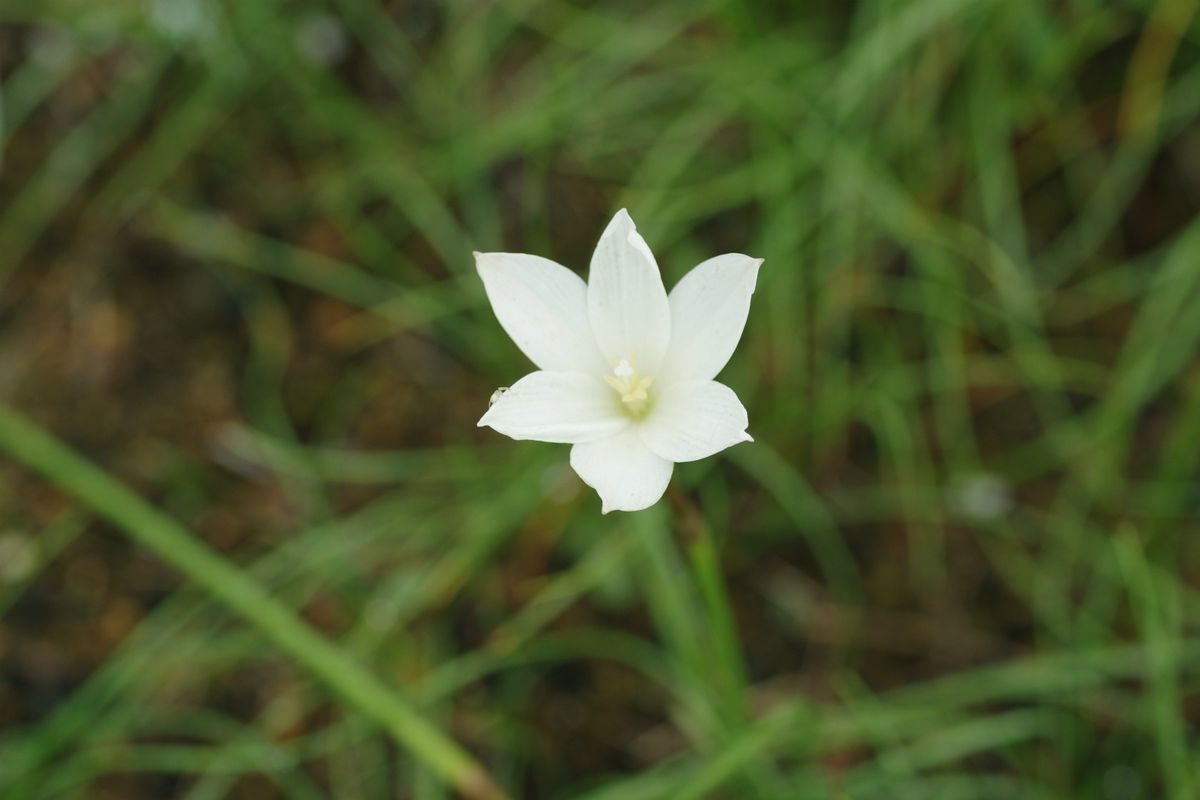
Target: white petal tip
x,y
622,217
605,508
747,437
758,262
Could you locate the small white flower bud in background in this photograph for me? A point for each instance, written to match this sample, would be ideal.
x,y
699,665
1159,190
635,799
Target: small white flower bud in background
x,y
181,20
984,497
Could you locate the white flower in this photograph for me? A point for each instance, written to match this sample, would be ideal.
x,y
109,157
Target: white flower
x,y
625,372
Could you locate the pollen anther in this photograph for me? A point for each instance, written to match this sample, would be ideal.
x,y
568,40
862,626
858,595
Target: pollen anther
x,y
632,388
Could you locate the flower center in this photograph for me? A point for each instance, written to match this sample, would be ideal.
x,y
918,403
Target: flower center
x,y
631,387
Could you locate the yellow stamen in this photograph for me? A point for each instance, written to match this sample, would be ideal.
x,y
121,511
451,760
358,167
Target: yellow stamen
x,y
630,386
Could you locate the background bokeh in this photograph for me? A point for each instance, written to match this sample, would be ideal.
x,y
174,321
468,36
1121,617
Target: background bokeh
x,y
959,561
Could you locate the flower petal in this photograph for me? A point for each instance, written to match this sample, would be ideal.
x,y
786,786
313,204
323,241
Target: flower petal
x,y
627,303
623,471
708,312
566,407
693,420
543,308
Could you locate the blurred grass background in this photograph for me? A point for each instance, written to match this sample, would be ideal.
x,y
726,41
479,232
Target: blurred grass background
x,y
960,560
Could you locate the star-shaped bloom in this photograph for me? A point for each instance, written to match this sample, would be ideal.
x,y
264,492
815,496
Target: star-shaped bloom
x,y
625,372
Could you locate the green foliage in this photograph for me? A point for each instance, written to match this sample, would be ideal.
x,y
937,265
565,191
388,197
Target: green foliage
x,y
959,561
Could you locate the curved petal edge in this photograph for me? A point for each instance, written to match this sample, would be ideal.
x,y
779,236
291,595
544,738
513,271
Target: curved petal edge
x,y
692,420
542,306
563,407
709,307
627,303
623,471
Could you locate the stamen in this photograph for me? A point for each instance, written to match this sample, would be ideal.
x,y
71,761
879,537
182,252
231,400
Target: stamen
x,y
632,388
